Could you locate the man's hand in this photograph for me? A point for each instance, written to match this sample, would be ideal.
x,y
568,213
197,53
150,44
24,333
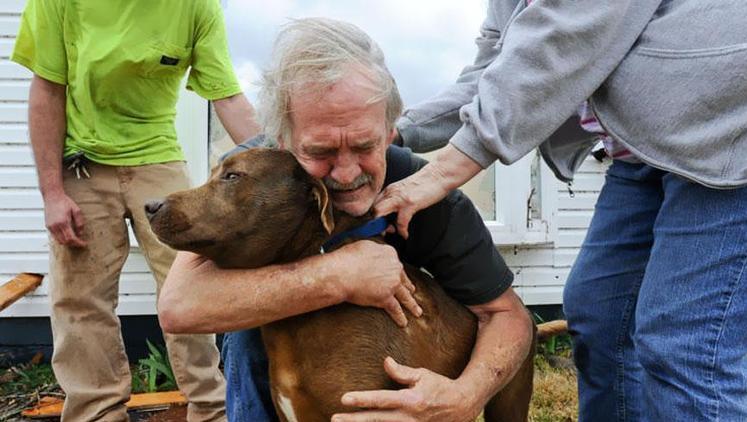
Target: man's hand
x,y
448,171
64,220
428,397
376,278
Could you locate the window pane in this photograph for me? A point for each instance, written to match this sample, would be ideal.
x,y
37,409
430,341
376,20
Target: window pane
x,y
481,190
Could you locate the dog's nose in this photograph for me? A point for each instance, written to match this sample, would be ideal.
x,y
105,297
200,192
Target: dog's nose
x,y
152,207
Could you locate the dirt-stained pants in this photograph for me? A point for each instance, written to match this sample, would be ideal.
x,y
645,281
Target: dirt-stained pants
x,y
89,357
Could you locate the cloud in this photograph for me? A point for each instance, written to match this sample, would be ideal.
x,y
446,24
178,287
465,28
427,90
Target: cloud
x,y
249,74
426,42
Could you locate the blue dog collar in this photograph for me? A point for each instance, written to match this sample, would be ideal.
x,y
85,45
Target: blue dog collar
x,y
373,228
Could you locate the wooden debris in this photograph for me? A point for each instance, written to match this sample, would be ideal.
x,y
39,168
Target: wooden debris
x,y
48,407
552,328
18,287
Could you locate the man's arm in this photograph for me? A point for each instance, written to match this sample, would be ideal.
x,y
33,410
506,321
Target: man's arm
x,y
238,117
504,339
47,126
199,297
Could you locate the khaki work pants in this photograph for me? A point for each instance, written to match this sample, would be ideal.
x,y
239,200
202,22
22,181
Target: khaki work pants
x,y
89,357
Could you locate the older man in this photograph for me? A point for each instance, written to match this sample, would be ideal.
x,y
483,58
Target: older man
x,y
330,100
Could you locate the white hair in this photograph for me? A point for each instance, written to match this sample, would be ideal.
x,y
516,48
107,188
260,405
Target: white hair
x,y
321,51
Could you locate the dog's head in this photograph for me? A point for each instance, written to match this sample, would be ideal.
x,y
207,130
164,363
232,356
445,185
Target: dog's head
x,y
250,213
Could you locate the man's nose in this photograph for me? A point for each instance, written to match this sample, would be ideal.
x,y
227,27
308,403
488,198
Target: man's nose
x,y
152,208
345,171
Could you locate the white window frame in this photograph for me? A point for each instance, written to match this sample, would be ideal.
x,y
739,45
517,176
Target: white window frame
x,y
513,224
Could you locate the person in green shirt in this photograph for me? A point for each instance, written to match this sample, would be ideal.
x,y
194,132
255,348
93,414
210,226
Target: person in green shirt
x,y
102,106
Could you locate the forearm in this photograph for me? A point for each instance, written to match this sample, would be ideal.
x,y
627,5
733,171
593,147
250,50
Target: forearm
x,y
503,342
198,297
47,126
451,168
238,117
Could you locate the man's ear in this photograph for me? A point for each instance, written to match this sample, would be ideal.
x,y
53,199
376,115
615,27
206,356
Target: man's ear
x,y
325,207
392,134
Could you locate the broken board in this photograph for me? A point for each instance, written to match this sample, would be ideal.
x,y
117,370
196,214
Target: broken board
x,y
52,406
18,287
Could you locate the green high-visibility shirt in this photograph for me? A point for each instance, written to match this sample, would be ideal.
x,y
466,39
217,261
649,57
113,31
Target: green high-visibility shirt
x,y
123,62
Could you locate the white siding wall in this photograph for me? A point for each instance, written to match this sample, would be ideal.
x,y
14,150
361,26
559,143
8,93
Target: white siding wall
x,y
541,271
23,239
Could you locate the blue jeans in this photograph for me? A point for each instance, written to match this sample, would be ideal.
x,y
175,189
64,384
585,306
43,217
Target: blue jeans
x,y
247,378
657,301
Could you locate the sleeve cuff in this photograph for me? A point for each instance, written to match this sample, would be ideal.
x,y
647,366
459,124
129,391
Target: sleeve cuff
x,y
406,129
467,141
506,280
40,70
215,94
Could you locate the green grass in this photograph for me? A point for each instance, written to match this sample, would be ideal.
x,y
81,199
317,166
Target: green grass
x,y
555,398
22,385
153,373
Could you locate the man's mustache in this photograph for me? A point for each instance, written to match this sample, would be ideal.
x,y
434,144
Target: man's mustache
x,y
359,181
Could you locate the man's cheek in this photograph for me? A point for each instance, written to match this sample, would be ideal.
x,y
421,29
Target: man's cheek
x,y
315,168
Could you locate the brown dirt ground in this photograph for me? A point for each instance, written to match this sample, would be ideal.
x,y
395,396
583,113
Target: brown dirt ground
x,y
174,414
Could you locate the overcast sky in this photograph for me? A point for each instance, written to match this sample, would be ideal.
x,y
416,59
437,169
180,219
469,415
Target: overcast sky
x,y
426,42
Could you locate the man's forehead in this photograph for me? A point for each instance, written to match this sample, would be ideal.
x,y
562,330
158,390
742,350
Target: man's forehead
x,y
333,135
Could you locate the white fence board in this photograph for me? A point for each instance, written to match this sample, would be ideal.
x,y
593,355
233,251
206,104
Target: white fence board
x,y
564,257
580,201
570,238
18,177
528,256
36,241
574,219
12,70
21,199
13,133
15,90
543,295
31,221
9,25
129,284
6,46
13,6
30,306
583,182
13,113
17,155
13,263
540,276
21,220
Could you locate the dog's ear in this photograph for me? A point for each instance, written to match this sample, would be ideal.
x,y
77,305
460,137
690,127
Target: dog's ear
x,y
325,207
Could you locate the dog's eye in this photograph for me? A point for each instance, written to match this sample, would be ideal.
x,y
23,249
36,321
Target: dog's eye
x,y
231,176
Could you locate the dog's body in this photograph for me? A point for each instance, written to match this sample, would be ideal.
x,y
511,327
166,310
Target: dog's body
x,y
270,212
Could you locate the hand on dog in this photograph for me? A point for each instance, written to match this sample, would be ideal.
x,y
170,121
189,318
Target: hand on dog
x,y
451,169
378,279
429,397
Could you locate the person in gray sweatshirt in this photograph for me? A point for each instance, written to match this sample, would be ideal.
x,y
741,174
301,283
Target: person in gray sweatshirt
x,y
658,294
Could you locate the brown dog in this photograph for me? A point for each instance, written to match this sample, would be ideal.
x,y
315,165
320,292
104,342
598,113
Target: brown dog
x,y
259,208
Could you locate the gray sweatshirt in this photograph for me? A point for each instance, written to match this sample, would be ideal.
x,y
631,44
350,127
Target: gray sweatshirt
x,y
666,78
